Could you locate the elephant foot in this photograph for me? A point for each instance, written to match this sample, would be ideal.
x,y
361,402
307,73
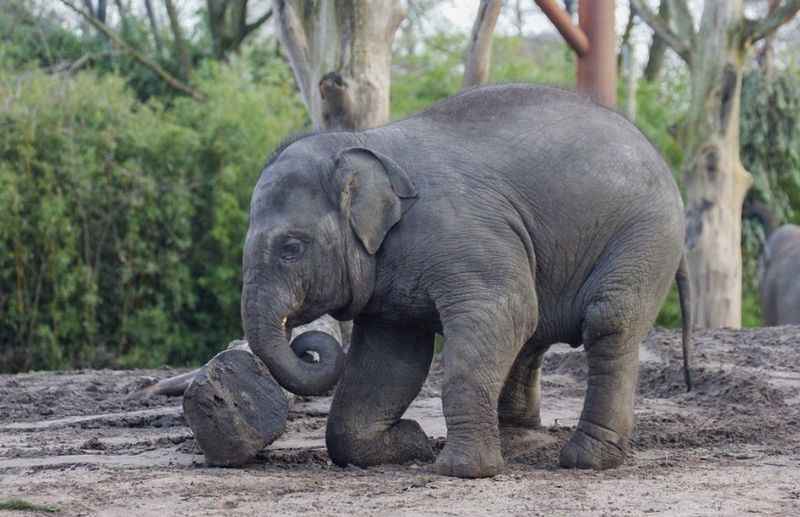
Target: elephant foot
x,y
402,443
477,462
586,451
518,441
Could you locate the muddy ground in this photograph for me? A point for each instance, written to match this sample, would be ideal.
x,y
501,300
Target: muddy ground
x,y
732,447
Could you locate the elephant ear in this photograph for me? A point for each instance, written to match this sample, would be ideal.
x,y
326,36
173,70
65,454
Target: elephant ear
x,y
370,188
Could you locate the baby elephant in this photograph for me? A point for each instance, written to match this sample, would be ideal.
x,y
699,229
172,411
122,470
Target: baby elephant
x,y
506,218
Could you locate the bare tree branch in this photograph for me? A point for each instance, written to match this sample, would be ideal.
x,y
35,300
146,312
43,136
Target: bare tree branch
x,y
250,27
683,22
479,53
181,48
574,36
151,16
661,27
655,58
758,29
294,40
165,76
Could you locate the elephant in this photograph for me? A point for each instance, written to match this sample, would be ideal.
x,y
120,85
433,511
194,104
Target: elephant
x,y
779,268
505,218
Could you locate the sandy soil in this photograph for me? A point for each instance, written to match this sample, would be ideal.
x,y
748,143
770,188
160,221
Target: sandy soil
x,y
732,447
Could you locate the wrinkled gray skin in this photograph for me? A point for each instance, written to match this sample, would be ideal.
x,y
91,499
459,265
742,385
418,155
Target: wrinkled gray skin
x,y
779,285
507,218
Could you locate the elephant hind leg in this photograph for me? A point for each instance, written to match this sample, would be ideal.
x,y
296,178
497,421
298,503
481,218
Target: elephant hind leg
x,y
520,399
520,404
612,335
386,367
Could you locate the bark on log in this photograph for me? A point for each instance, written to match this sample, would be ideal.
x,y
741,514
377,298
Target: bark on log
x,y
235,408
176,386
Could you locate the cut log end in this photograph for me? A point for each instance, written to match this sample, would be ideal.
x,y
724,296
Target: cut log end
x,y
235,408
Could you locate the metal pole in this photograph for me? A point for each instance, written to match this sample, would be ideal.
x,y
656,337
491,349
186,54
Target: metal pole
x,y
597,69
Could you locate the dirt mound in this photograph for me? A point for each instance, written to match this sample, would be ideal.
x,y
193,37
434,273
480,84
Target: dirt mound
x,y
768,346
566,363
725,427
32,396
712,386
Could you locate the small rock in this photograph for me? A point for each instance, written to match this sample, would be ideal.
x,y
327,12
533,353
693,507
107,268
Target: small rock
x,y
94,444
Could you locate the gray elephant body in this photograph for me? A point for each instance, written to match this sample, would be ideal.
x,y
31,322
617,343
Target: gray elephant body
x,y
507,218
780,277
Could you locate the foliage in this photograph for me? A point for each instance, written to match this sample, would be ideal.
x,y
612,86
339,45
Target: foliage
x,y
20,505
660,112
421,78
770,140
120,242
28,39
770,149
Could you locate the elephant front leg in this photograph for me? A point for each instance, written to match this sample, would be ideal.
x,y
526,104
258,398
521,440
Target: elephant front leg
x,y
478,354
386,367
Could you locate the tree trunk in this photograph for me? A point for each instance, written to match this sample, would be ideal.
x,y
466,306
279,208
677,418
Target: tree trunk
x,y
629,71
479,53
716,181
180,45
658,48
151,16
766,56
340,52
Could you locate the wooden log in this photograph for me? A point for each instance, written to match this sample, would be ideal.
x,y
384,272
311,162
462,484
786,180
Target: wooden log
x,y
177,385
234,408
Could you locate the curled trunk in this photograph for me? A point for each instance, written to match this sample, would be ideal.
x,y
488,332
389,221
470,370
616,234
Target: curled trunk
x,y
311,365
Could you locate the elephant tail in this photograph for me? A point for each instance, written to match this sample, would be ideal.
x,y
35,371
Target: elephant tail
x,y
685,297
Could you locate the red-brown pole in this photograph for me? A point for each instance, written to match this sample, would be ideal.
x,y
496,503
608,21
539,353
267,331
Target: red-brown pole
x,y
597,69
562,21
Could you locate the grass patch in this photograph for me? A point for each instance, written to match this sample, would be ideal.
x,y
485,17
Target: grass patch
x,y
24,506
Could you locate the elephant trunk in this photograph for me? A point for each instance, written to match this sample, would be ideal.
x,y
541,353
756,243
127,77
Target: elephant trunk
x,y
291,365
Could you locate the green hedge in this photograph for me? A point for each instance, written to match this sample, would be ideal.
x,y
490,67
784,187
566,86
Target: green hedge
x,y
123,222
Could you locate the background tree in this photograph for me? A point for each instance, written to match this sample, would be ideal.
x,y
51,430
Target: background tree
x,y
715,179
179,43
227,23
341,55
658,48
476,69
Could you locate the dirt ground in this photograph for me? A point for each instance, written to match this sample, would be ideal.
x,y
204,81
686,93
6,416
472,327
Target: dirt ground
x,y
72,442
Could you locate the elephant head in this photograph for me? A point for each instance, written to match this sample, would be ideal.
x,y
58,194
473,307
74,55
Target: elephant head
x,y
317,220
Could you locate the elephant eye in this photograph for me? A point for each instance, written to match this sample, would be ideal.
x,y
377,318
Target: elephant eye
x,y
292,249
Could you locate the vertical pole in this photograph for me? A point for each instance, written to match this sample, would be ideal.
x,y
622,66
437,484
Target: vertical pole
x,y
597,70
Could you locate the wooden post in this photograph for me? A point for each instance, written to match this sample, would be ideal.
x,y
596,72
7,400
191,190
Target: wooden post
x,y
593,42
597,70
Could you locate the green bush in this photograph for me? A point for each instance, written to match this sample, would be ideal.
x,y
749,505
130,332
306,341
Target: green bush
x,y
122,226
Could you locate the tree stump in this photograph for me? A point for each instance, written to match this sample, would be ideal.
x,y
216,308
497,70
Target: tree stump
x,y
234,408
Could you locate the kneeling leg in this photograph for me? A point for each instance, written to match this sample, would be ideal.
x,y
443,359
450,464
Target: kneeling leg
x,y
386,367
